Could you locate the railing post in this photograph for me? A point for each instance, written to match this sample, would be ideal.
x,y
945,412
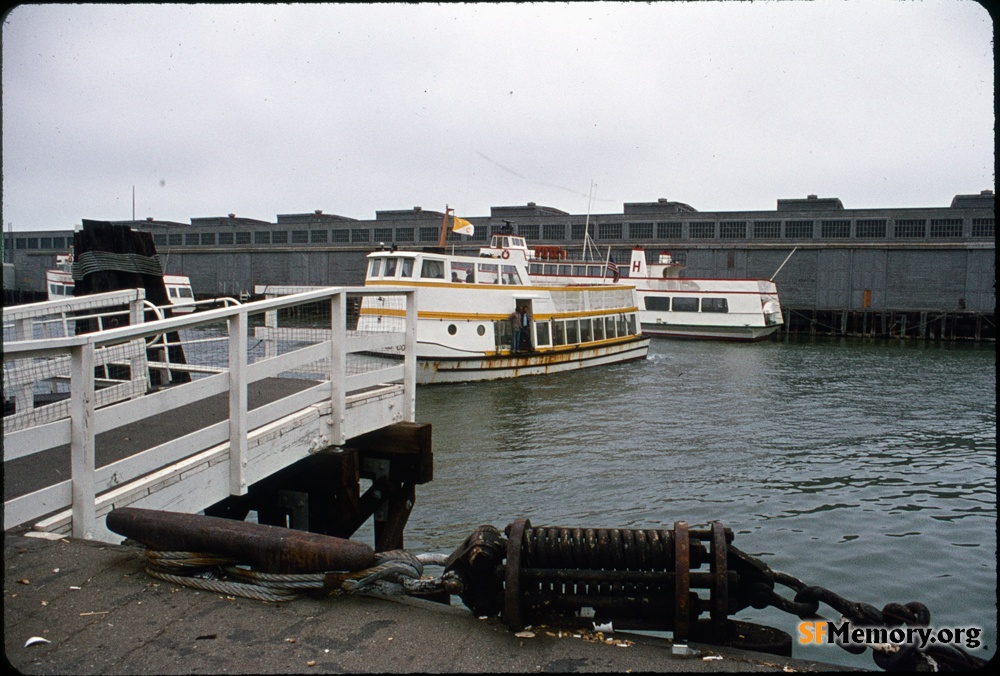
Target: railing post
x,y
82,439
271,332
238,403
138,367
410,359
338,366
24,398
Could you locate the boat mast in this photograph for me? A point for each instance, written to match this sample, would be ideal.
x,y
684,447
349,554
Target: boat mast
x,y
444,226
588,244
783,264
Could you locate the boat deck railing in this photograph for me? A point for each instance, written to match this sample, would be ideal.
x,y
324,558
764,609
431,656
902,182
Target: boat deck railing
x,y
68,391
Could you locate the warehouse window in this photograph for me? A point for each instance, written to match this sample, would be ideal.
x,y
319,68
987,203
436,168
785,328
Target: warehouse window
x,y
798,229
733,230
529,231
668,230
300,236
343,236
640,230
702,230
840,229
191,238
319,236
946,227
609,231
766,229
226,238
429,234
983,227
262,237
160,240
243,238
383,234
175,239
870,229
578,229
360,235
911,229
279,237
208,238
404,234
554,231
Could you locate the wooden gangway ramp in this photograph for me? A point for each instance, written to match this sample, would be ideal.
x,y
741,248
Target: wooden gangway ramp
x,y
183,412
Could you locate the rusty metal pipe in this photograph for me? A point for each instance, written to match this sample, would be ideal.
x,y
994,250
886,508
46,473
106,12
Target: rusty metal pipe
x,y
271,549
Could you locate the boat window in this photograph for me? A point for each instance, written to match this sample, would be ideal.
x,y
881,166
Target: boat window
x,y
406,269
598,328
631,324
375,268
714,305
517,241
463,272
173,292
585,333
431,269
489,273
580,270
505,242
657,303
572,332
558,333
685,304
564,270
390,267
593,270
53,289
609,327
534,269
542,334
549,269
510,274
622,329
185,292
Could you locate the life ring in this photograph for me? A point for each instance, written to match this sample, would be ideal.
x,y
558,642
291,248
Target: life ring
x,y
505,254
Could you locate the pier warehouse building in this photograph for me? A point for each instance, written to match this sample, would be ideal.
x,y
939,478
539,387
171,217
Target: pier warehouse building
x,y
923,272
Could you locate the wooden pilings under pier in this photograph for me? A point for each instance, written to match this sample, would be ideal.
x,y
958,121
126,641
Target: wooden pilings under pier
x,y
913,325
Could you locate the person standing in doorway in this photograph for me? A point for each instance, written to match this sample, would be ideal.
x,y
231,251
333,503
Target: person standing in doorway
x,y
515,330
525,328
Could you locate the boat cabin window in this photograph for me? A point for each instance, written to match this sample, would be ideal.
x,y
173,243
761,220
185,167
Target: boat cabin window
x,y
542,334
586,335
631,323
657,303
406,267
375,267
579,270
714,305
517,241
489,273
510,274
598,329
685,304
564,269
549,269
620,323
431,269
593,270
390,268
572,332
534,269
185,292
558,333
173,292
463,272
609,327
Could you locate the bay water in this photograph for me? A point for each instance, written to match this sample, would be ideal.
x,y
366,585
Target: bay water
x,y
868,468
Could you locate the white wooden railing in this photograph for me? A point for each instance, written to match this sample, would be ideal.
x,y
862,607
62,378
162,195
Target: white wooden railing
x,y
84,494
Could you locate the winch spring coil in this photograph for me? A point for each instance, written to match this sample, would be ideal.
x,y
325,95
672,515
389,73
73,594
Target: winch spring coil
x,y
617,572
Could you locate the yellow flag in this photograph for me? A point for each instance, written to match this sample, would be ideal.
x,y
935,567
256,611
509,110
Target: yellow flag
x,y
462,226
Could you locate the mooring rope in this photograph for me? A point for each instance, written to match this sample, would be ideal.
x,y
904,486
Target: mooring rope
x,y
396,572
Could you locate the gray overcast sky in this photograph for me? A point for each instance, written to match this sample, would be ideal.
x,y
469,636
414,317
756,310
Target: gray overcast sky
x,y
261,110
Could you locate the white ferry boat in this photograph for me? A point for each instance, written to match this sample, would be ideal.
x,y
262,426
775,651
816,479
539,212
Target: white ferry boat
x,y
59,284
464,324
670,305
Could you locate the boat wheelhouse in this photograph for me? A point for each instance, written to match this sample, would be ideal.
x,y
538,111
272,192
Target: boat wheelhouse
x,y
669,305
59,284
464,308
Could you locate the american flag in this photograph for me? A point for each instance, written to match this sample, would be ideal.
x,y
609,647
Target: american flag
x,y
613,269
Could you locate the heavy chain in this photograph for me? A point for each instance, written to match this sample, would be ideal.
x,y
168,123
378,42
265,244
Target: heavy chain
x,y
891,657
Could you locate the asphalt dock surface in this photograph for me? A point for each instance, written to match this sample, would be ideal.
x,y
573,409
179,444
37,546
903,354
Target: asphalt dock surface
x,y
100,613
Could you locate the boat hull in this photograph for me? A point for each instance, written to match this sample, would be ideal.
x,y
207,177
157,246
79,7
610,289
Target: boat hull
x,y
438,370
693,332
